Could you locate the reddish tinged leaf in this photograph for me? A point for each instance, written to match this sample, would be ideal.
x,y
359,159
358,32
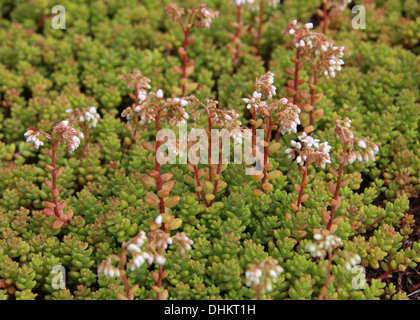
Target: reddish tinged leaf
x,y
49,183
166,176
149,146
155,276
61,205
177,69
291,83
57,224
331,187
49,204
59,172
51,168
290,71
48,212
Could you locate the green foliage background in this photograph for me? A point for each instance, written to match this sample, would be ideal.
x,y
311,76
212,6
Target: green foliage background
x,y
44,71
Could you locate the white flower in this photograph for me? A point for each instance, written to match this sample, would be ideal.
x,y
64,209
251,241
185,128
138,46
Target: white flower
x,y
361,144
133,247
142,96
158,220
256,95
159,259
159,94
309,25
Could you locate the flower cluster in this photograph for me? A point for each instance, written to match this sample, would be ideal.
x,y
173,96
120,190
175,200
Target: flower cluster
x,y
136,81
351,260
183,242
366,150
339,4
308,150
109,270
255,4
329,57
88,116
323,245
288,114
201,16
262,276
63,130
318,48
204,16
301,34
151,104
264,84
32,135
68,134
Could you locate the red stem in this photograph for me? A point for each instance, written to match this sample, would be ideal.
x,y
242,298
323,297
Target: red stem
x,y
324,25
54,177
184,57
238,34
197,179
219,169
254,117
260,24
124,275
159,282
295,97
337,190
267,140
259,292
313,91
157,167
136,101
210,124
301,187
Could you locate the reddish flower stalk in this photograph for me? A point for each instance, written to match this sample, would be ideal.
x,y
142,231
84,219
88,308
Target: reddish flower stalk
x,y
334,201
71,137
303,184
157,165
268,128
347,156
199,187
184,54
313,98
123,273
159,279
200,17
260,26
296,77
307,151
324,290
237,38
